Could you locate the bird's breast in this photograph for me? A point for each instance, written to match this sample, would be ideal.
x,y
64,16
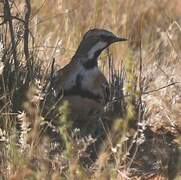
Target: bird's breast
x,y
82,83
92,81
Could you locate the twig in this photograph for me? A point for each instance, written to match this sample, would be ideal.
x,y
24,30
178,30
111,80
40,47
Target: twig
x,y
44,2
51,75
7,17
26,35
16,5
48,84
12,17
158,89
148,92
52,68
140,112
26,30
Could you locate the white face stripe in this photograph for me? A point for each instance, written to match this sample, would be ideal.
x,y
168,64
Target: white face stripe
x,y
100,45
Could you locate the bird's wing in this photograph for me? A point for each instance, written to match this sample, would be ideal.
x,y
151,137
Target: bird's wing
x,y
60,79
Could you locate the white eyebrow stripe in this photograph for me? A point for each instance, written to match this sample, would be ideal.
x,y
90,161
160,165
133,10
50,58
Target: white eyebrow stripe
x,y
95,48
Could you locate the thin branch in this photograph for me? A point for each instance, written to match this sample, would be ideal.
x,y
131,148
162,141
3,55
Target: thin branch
x,y
26,35
19,12
140,113
12,17
44,2
140,64
7,17
148,92
158,89
26,28
52,68
51,75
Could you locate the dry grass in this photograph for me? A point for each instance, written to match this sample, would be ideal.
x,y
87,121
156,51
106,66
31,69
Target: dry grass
x,y
143,138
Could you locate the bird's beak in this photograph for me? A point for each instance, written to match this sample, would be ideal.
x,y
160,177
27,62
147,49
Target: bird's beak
x,y
120,39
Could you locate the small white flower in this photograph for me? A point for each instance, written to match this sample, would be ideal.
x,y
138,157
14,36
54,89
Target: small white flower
x,y
114,150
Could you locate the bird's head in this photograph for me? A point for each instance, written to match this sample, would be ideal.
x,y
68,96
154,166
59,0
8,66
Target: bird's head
x,y
94,42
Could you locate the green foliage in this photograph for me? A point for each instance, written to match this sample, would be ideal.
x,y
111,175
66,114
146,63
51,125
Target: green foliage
x,y
14,154
65,125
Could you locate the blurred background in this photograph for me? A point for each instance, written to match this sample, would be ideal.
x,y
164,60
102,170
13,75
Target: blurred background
x,y
62,23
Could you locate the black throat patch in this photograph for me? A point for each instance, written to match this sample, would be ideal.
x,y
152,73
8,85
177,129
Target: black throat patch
x,y
77,90
91,63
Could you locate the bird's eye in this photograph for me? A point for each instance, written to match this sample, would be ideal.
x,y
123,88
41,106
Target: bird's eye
x,y
107,38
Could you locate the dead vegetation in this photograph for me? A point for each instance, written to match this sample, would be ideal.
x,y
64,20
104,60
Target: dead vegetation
x,y
142,140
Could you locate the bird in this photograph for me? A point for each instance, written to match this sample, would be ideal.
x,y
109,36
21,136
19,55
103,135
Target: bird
x,y
81,82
